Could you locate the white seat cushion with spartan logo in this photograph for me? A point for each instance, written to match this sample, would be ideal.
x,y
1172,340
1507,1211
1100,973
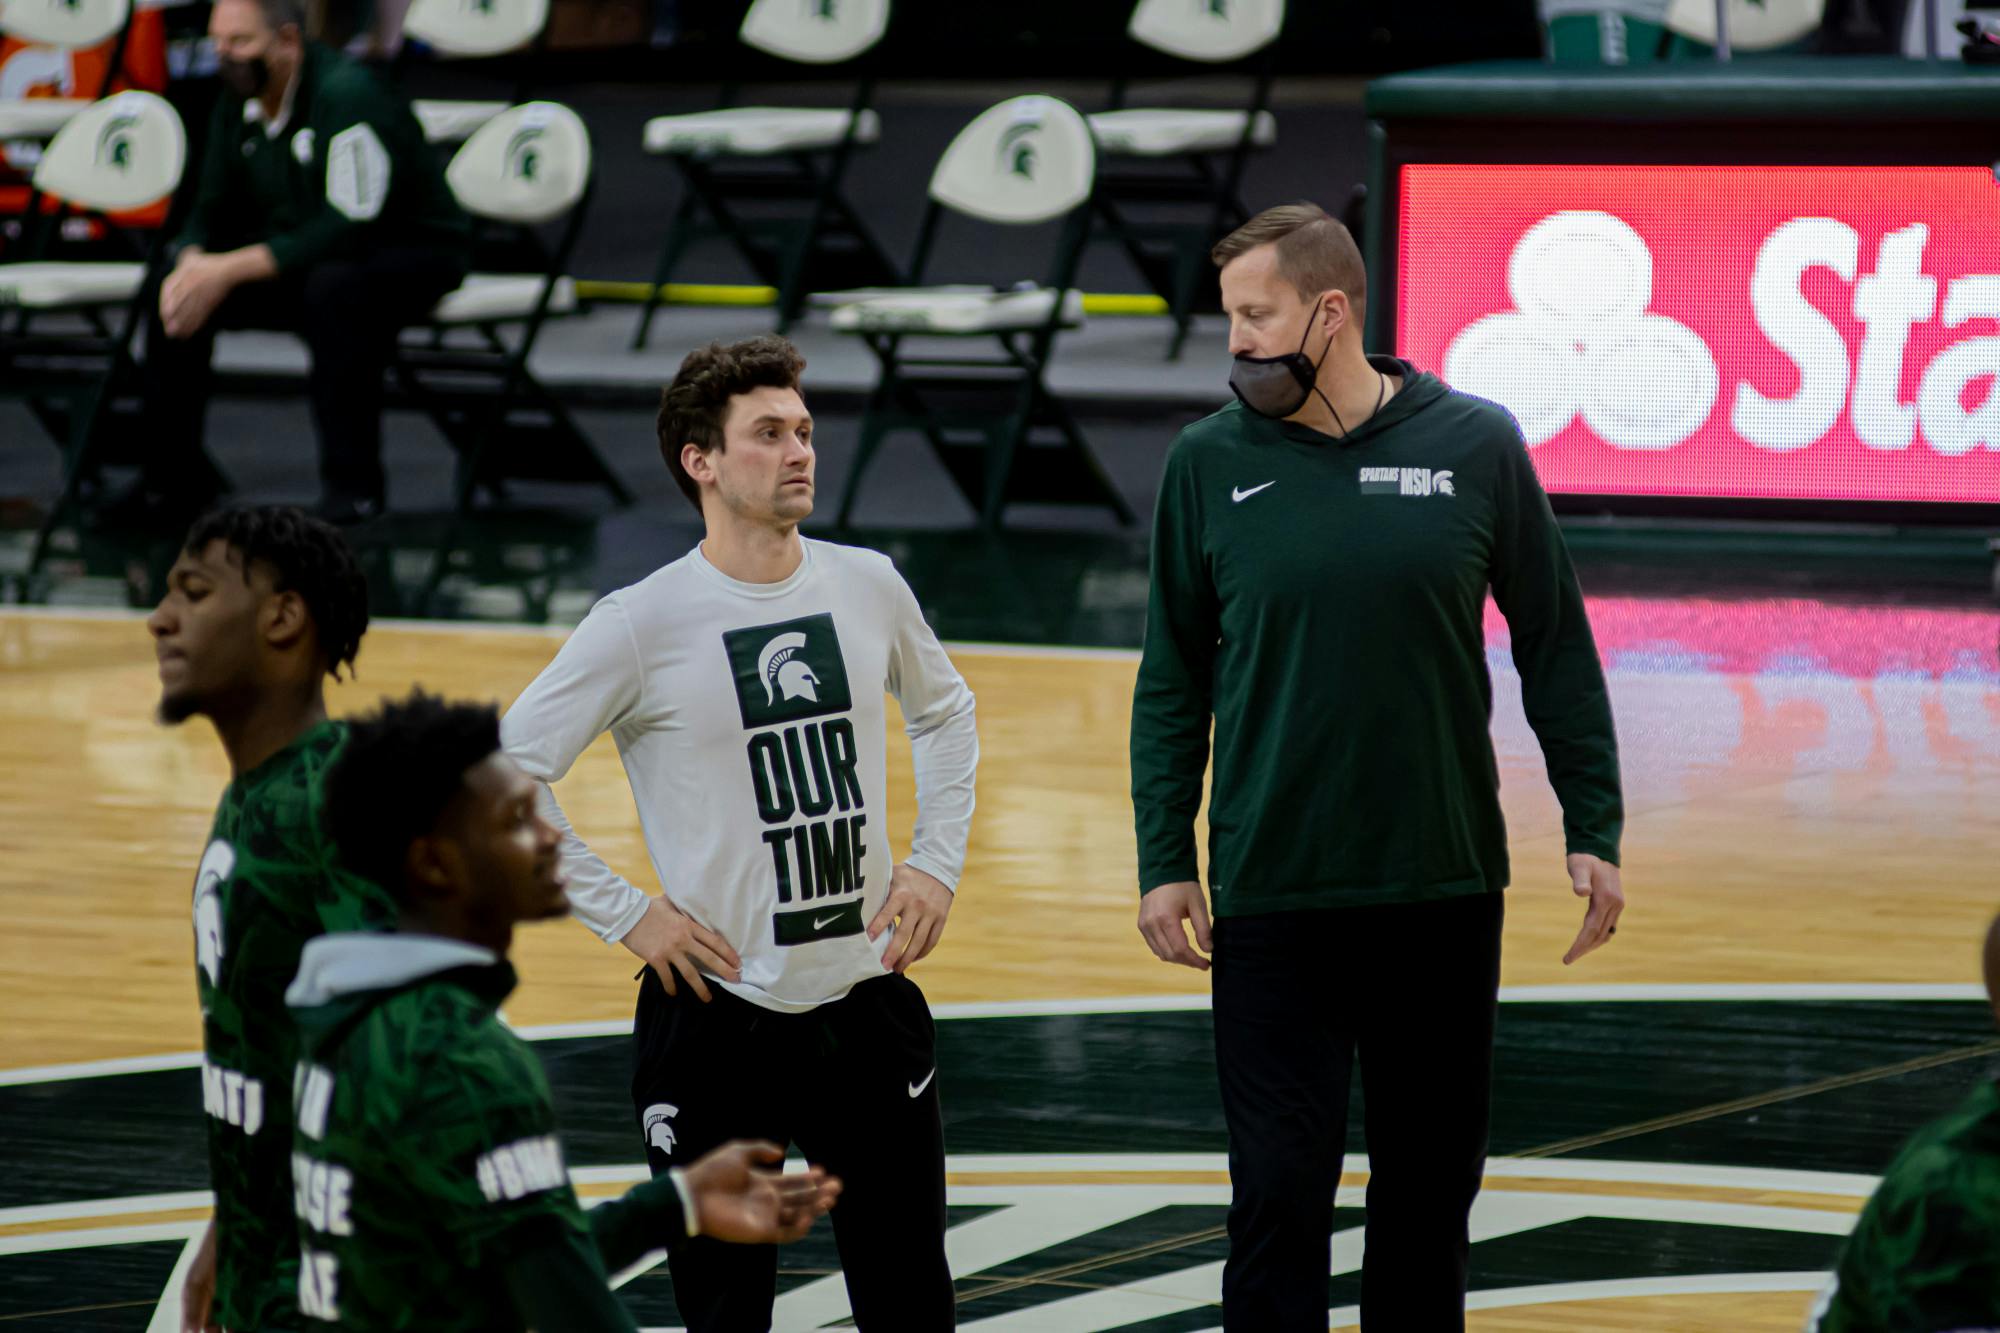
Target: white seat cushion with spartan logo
x,y
527,165
955,311
495,298
1216,31
1754,25
474,28
58,286
1029,159
69,24
1162,132
38,117
756,131
122,153
449,122
815,32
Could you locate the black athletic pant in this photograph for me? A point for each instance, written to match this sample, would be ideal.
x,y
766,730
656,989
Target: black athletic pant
x,y
1412,989
853,1083
348,311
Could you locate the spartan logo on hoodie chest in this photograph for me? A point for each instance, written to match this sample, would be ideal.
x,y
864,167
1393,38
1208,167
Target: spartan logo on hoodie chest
x,y
791,679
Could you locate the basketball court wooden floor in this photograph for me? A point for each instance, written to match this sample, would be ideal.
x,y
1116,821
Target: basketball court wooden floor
x,y
1685,1123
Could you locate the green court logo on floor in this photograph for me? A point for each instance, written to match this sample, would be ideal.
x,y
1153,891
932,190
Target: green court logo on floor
x,y
787,671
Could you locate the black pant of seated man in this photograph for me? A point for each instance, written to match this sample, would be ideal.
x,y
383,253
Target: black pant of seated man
x,y
348,311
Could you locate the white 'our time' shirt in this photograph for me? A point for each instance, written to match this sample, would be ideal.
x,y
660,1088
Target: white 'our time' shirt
x,y
751,723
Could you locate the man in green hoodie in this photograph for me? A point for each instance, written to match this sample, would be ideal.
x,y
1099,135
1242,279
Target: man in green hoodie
x,y
426,1169
320,210
1322,551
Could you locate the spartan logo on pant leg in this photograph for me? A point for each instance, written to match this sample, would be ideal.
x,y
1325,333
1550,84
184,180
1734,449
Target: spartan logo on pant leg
x,y
657,1124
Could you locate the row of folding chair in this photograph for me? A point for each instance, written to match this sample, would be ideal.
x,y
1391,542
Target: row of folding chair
x,y
68,327
769,179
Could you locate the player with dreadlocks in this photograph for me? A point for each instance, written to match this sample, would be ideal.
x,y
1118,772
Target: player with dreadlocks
x,y
261,606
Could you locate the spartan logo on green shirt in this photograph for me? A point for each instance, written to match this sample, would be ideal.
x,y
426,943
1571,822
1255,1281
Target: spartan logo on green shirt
x,y
787,671
1406,481
217,863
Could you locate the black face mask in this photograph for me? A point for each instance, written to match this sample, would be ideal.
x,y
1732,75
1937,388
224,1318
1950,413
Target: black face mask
x,y
245,78
1277,386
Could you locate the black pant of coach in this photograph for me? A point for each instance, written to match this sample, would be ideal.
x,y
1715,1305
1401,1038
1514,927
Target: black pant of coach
x,y
348,311
1412,991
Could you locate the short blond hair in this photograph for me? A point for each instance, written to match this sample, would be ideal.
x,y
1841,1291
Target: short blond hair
x,y
1316,253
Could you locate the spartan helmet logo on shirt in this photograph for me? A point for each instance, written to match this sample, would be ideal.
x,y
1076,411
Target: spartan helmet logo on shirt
x,y
217,863
788,671
785,673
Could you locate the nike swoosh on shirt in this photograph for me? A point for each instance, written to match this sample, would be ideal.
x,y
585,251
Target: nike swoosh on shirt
x,y
822,922
1239,495
916,1089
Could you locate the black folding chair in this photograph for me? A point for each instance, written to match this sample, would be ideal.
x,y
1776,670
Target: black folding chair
x,y
1003,435
1170,180
525,170
67,326
457,31
768,178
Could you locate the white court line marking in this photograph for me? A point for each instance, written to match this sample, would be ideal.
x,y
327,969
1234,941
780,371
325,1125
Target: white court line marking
x,y
131,1203
167,1314
1716,1284
131,1064
1632,993
82,1240
1497,1168
473,628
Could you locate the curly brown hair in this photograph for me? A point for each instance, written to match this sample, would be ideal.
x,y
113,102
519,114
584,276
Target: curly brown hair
x,y
694,407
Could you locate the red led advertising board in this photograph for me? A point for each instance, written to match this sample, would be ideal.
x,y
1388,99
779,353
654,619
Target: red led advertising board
x,y
1798,333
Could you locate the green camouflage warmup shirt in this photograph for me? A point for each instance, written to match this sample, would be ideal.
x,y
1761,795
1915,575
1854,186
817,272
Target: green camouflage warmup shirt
x,y
426,1150
1925,1256
267,883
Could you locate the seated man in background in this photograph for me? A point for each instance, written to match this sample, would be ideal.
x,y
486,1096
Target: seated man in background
x,y
1925,1255
428,1176
321,211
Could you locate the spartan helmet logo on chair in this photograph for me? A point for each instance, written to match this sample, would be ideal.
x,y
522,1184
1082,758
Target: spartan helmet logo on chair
x,y
1017,148
785,674
114,142
524,156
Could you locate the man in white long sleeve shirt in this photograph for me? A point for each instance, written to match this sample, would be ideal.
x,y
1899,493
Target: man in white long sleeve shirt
x,y
743,684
